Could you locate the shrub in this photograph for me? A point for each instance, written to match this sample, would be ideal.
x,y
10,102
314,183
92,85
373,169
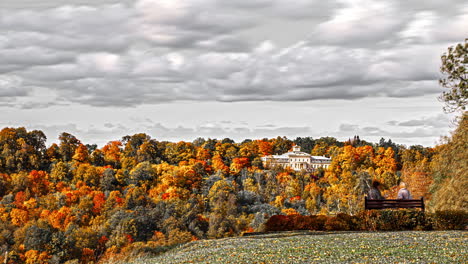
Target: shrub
x,y
303,222
177,236
342,222
317,222
392,220
278,223
371,220
337,224
450,219
311,222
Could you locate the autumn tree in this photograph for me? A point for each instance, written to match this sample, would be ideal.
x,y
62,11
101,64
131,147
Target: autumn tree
x,y
38,235
149,151
416,170
68,145
238,164
224,210
81,154
97,158
21,150
112,153
142,173
61,171
177,152
218,164
307,143
281,145
454,64
449,170
133,143
53,153
87,173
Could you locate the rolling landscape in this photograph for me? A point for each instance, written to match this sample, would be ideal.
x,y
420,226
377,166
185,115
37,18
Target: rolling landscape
x,y
260,131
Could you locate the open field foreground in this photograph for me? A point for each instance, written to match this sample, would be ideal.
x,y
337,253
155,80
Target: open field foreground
x,y
325,247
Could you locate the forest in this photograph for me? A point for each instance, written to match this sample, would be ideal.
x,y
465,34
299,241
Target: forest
x,y
72,202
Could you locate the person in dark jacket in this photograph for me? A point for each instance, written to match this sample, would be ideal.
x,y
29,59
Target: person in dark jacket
x,y
374,192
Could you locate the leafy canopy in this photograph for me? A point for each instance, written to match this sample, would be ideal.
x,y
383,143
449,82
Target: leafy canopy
x,y
454,64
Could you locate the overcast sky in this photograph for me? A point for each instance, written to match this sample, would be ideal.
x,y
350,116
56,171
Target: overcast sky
x,y
178,70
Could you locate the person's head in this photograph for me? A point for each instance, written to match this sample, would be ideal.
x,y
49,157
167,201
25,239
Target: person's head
x,y
375,184
402,185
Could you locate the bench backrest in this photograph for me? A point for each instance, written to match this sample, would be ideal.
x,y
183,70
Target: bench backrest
x,y
394,203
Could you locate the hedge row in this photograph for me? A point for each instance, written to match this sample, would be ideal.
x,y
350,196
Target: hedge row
x,y
372,220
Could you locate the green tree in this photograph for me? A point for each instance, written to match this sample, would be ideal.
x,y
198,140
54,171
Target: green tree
x,y
454,64
68,145
223,202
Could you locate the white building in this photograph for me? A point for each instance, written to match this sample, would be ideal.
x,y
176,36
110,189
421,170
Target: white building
x,y
296,160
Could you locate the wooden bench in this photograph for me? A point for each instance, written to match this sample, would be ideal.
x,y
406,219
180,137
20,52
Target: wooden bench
x,y
394,203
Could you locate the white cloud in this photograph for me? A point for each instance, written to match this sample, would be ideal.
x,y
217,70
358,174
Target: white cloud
x,y
361,21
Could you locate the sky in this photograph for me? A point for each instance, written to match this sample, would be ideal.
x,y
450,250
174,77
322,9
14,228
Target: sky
x,y
179,70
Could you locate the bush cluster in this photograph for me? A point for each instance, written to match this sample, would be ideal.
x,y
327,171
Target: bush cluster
x,y
371,220
449,219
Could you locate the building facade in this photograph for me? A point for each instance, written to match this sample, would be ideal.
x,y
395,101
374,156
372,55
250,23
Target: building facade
x,y
296,160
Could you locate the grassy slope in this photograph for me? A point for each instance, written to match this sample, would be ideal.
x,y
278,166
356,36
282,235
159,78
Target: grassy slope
x,y
325,247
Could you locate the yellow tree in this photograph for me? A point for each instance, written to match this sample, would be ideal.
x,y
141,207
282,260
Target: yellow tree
x,y
81,154
449,170
385,167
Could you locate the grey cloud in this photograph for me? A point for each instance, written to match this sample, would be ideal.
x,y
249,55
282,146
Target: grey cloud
x,y
306,9
223,43
188,24
300,10
35,105
162,51
17,58
78,28
292,74
34,4
11,86
267,126
348,127
439,121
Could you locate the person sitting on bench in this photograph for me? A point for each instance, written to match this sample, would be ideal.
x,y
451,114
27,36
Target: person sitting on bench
x,y
374,192
403,193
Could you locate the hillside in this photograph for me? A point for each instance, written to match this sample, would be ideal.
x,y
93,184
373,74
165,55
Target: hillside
x,y
324,247
76,202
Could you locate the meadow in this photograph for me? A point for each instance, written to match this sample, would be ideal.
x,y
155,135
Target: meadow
x,y
324,247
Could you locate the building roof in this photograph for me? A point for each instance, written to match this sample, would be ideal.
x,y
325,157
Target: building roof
x,y
320,158
300,154
293,153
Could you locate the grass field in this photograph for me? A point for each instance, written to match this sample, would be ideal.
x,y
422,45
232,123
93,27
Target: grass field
x,y
325,247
